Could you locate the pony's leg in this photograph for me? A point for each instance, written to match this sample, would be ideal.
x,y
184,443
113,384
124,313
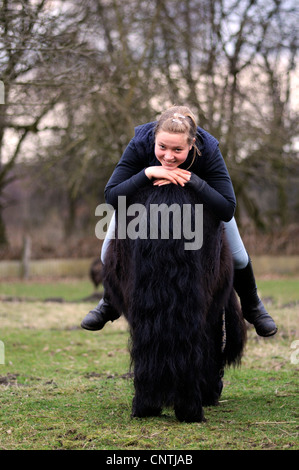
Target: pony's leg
x,y
213,370
188,402
145,402
211,395
189,412
142,409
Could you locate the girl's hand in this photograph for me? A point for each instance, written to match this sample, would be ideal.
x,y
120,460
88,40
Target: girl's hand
x,y
161,182
175,176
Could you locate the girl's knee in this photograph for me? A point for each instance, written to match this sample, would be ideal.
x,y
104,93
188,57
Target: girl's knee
x,y
240,259
236,244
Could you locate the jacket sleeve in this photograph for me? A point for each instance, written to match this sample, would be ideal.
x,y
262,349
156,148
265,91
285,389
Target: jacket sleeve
x,y
216,189
128,176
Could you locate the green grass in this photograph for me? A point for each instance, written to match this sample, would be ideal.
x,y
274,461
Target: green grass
x,y
282,291
65,388
69,290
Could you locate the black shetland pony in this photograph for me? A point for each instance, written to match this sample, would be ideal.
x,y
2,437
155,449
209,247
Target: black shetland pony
x,y
185,321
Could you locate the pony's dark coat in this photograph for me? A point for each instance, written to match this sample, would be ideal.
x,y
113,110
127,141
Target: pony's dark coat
x,y
174,301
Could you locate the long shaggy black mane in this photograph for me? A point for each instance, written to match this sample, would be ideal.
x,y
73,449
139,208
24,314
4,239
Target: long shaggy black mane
x,y
185,321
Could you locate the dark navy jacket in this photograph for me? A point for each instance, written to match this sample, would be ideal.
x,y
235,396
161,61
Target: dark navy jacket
x,y
209,175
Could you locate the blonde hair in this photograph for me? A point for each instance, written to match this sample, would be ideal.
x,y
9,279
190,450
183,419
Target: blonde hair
x,y
179,120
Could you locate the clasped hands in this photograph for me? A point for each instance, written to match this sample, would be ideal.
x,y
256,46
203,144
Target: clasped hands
x,y
162,176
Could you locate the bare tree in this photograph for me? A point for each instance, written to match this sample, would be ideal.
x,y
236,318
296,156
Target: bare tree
x,y
37,65
99,125
80,76
232,61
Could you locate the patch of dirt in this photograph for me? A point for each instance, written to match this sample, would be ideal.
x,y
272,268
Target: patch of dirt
x,y
9,380
90,375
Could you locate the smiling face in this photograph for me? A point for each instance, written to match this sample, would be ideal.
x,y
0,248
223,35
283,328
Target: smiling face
x,y
171,149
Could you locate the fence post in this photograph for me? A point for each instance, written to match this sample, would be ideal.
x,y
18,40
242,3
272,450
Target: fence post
x,y
25,263
2,92
2,353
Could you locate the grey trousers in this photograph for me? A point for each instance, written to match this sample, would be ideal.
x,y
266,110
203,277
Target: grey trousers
x,y
234,239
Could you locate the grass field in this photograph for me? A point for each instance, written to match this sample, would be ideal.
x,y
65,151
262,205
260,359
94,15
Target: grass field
x,y
62,387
